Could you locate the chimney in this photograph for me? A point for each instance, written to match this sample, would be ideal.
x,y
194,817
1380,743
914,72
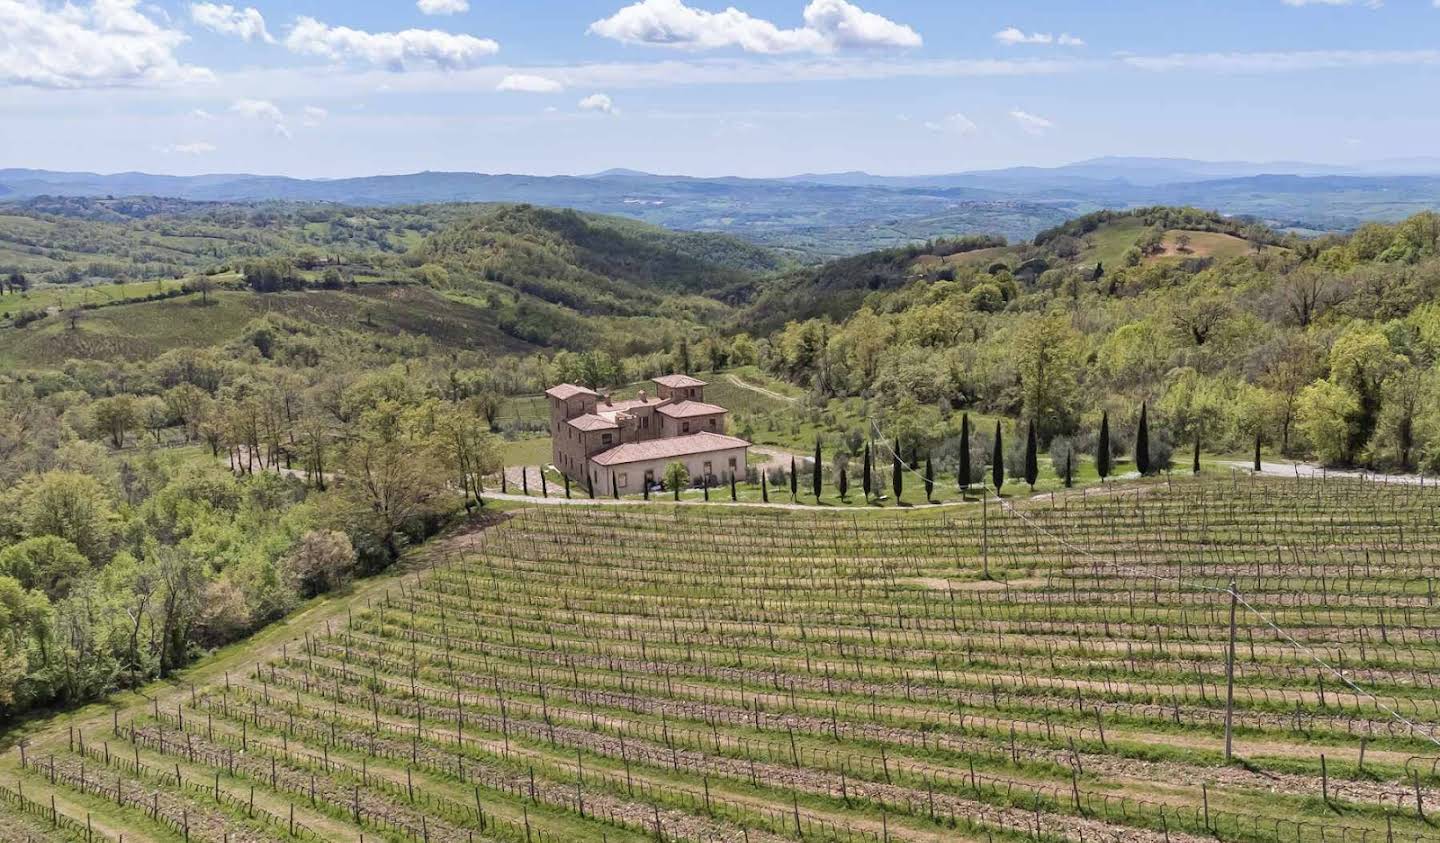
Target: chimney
x,y
643,398
608,402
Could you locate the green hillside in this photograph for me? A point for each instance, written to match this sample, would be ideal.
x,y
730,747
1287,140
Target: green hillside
x,y
491,277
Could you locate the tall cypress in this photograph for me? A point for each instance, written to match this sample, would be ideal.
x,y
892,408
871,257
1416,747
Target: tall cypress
x,y
794,481
1257,452
590,484
929,479
1196,467
843,482
997,460
818,476
865,480
1142,442
1069,472
897,478
764,488
964,479
734,496
614,487
1102,447
1032,456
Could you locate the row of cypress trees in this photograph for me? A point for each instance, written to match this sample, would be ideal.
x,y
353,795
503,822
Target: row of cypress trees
x,y
1103,464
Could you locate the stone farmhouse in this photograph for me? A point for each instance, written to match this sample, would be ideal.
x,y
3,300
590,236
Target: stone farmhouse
x,y
601,440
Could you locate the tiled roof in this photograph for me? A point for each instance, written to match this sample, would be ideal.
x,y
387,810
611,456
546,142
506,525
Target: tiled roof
x,y
624,406
566,391
661,449
678,381
686,409
590,421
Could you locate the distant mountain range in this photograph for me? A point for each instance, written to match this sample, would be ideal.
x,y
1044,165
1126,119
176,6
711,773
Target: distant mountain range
x,y
828,214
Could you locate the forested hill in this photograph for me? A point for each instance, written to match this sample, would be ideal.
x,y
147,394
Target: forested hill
x,y
513,275
1325,348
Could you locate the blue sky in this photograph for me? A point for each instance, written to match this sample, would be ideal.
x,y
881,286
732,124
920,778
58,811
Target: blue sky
x,y
324,88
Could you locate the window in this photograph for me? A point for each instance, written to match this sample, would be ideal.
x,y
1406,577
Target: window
x,y
624,481
708,470
604,439
645,422
732,465
650,477
712,424
685,428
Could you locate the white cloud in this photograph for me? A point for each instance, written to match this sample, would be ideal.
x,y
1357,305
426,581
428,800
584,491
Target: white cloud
x,y
258,110
1011,36
442,7
103,43
830,25
247,24
1032,123
397,51
599,102
202,114
955,124
314,116
529,84
262,111
196,148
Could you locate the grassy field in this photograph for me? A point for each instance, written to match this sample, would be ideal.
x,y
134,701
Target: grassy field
x,y
145,329
1055,672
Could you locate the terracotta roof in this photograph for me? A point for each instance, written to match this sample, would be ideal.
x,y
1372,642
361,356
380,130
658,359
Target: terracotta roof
x,y
660,449
566,391
624,406
590,421
678,381
686,409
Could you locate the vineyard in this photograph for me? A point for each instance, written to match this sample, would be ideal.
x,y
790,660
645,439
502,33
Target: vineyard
x,y
1044,669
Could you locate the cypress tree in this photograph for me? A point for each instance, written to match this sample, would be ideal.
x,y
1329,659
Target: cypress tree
x,y
647,490
1142,442
794,481
544,485
676,490
764,487
964,478
1196,467
705,486
817,477
1032,456
567,487
590,484
504,482
897,478
525,481
614,487
1069,474
865,477
997,461
733,495
929,479
1102,447
1257,452
843,482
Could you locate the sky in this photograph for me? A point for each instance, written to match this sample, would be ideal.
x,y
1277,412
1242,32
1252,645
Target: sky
x,y
334,88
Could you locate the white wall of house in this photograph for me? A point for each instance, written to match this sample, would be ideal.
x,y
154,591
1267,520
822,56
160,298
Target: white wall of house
x,y
630,477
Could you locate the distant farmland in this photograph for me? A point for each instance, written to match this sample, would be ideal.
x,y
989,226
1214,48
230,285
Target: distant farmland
x,y
715,674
